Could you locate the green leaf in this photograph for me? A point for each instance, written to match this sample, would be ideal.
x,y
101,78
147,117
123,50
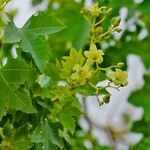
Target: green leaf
x,y
66,136
12,33
47,134
22,144
142,126
71,112
67,120
36,2
68,62
29,36
38,49
143,145
35,27
102,148
77,31
45,26
16,72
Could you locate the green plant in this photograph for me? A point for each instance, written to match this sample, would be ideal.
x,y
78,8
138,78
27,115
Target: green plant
x,y
39,108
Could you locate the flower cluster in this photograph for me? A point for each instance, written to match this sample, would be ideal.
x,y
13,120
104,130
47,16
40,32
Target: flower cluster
x,y
99,16
83,73
94,55
118,77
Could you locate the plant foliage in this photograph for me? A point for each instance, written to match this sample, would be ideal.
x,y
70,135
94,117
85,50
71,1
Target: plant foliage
x,y
60,58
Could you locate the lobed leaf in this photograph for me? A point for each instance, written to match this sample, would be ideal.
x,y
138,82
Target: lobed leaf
x,y
29,36
16,72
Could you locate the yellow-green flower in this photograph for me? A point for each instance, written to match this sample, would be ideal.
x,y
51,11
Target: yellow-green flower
x,y
94,55
81,76
119,77
95,11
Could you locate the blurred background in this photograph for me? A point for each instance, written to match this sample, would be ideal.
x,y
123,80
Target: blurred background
x,y
124,121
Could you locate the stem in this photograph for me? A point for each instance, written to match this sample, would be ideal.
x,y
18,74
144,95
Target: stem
x,y
92,85
93,29
98,69
103,19
1,52
108,68
107,32
3,6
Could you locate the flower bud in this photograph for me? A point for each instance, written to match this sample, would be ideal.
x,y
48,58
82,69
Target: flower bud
x,y
106,98
99,30
95,10
115,21
93,47
120,65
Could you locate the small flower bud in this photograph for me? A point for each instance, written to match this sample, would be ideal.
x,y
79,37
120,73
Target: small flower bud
x,y
106,98
99,30
95,10
120,65
115,21
93,47
117,30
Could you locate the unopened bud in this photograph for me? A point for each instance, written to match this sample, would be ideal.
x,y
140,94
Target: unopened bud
x,y
95,10
106,98
99,30
115,21
93,47
120,65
